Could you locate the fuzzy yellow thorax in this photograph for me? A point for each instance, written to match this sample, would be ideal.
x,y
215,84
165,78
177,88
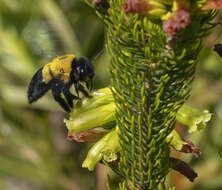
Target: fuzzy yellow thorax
x,y
59,68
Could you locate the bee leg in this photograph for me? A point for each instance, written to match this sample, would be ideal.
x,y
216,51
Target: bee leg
x,y
56,92
89,85
69,96
77,88
81,89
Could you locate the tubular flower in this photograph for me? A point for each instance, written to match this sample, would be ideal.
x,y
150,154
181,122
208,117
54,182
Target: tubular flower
x,y
195,119
176,20
144,7
212,4
84,126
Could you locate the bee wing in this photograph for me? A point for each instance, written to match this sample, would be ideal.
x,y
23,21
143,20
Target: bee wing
x,y
37,87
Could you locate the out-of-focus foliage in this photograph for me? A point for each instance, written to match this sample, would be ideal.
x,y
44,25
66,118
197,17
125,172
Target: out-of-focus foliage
x,y
34,152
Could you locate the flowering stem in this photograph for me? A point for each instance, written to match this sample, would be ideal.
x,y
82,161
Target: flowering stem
x,y
153,60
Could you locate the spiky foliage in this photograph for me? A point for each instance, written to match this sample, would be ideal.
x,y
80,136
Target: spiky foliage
x,y
151,75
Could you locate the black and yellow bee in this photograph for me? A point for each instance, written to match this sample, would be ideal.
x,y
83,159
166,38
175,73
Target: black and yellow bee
x,y
59,75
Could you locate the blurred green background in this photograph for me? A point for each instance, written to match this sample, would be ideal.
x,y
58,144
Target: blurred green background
x,y
34,151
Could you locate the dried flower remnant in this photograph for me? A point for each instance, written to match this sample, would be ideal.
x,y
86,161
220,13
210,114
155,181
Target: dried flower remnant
x,y
212,4
191,148
101,3
181,145
218,49
183,168
87,136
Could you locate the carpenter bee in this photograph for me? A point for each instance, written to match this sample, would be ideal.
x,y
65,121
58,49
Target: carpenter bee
x,y
59,75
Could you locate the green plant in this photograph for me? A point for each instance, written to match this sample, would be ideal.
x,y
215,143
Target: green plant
x,y
153,47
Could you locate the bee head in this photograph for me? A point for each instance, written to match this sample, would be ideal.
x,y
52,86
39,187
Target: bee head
x,y
83,71
86,69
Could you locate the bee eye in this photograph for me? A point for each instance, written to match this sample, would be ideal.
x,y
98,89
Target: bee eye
x,y
61,71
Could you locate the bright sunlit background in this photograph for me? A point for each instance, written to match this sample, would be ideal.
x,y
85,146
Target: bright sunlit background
x,y
34,151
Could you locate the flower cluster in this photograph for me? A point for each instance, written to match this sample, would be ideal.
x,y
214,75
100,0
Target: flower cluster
x,y
173,21
84,126
177,19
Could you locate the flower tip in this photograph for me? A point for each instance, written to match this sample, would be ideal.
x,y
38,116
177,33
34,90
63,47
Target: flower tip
x,y
88,165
